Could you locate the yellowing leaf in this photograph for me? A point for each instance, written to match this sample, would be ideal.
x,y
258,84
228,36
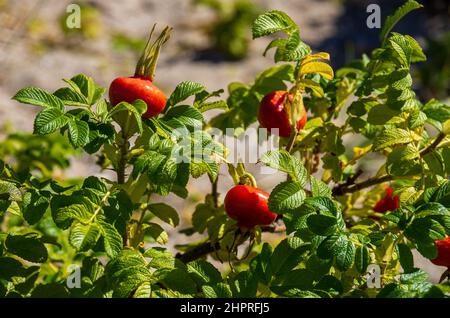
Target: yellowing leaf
x,y
315,57
315,87
361,151
317,67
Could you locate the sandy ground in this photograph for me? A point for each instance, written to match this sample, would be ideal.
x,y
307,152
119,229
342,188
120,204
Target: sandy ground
x,y
26,61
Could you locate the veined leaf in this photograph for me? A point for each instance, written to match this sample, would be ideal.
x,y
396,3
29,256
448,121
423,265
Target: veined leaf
x,y
112,239
203,272
11,189
78,132
27,247
49,120
317,67
71,97
392,20
38,97
283,161
183,91
271,22
83,237
165,212
391,137
286,196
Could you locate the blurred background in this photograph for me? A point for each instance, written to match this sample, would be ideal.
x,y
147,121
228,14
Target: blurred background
x,y
211,44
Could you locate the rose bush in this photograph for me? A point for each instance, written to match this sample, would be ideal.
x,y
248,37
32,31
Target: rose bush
x,y
334,229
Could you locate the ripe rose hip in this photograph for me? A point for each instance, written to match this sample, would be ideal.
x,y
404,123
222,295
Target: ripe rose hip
x,y
272,113
248,206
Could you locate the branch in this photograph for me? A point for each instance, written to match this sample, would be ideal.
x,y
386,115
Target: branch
x,y
198,252
206,248
344,188
433,146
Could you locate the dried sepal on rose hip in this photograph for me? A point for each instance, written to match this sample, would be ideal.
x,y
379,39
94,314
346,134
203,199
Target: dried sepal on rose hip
x,y
140,86
273,113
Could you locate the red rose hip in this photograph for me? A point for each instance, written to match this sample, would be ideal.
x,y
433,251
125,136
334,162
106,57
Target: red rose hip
x,y
443,258
248,206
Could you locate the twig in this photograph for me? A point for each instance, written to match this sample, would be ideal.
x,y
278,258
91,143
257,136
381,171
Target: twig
x,y
433,146
198,252
206,248
344,188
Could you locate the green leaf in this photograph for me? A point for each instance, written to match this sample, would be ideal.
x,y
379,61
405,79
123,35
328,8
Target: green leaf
x,y
165,212
319,188
34,206
125,273
183,91
10,188
417,52
417,119
292,49
187,115
143,291
391,137
179,280
338,246
244,285
425,229
38,97
286,196
362,258
161,258
345,257
406,257
64,215
219,104
157,233
49,120
220,290
134,109
403,153
86,86
261,264
286,256
271,22
149,161
203,272
83,237
427,249
70,97
112,240
322,224
283,161
392,20
78,133
402,51
27,247
381,114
